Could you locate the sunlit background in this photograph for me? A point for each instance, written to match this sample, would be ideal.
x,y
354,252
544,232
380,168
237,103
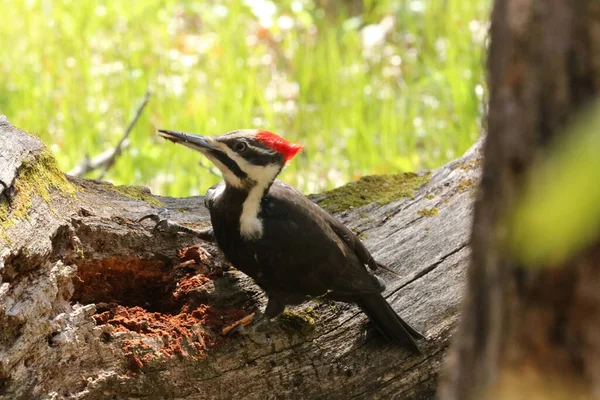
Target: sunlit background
x,y
369,87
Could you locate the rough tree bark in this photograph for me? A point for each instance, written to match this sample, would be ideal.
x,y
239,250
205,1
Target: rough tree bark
x,y
94,305
530,333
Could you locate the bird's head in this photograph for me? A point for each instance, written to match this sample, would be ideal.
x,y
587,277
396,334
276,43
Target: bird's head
x,y
246,157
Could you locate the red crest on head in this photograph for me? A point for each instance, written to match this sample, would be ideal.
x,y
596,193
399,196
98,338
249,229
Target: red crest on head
x,y
279,144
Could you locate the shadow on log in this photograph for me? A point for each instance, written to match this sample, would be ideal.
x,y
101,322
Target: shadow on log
x,y
95,305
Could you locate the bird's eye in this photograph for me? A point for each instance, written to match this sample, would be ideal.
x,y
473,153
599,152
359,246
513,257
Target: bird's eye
x,y
240,146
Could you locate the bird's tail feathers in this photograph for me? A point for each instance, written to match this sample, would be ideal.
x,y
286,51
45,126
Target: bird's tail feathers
x,y
388,322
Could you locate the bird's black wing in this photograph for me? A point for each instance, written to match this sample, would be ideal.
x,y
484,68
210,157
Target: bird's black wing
x,y
347,236
304,249
352,241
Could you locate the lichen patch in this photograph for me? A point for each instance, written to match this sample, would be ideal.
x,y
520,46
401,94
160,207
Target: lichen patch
x,y
428,212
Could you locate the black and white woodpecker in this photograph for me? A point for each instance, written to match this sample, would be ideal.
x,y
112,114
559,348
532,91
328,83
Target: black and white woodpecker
x,y
293,249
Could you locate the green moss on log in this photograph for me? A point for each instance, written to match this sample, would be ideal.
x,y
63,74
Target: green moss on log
x,y
134,192
382,189
302,321
37,177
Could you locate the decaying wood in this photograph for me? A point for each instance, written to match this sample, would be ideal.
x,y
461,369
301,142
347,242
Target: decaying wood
x,y
52,259
530,333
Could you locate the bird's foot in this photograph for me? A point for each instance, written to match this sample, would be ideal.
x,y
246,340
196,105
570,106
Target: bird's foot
x,y
164,224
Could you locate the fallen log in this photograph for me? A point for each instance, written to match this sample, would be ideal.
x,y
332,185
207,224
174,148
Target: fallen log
x,y
96,305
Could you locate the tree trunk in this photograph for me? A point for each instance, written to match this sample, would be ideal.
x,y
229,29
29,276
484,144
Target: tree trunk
x,y
530,333
95,305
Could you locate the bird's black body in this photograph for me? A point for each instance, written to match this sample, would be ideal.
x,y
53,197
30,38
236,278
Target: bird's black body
x,y
302,252
299,255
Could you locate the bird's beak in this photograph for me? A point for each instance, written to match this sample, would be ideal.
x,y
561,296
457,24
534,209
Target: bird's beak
x,y
191,140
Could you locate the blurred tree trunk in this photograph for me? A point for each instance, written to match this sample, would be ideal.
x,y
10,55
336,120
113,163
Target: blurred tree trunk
x,y
529,333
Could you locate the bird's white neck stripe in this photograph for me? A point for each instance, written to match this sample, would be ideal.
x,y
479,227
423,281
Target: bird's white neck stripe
x,y
251,226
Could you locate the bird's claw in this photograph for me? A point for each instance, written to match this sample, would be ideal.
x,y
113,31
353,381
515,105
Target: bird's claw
x,y
164,224
161,219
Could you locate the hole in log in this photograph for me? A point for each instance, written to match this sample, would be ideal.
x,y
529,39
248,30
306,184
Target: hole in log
x,y
169,306
127,282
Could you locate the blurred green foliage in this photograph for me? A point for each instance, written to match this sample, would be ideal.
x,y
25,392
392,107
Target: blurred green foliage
x,y
559,211
397,88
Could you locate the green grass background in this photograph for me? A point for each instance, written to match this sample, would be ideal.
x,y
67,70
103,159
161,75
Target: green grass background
x,y
75,70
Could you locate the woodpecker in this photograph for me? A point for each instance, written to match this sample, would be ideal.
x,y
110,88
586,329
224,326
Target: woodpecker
x,y
293,249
